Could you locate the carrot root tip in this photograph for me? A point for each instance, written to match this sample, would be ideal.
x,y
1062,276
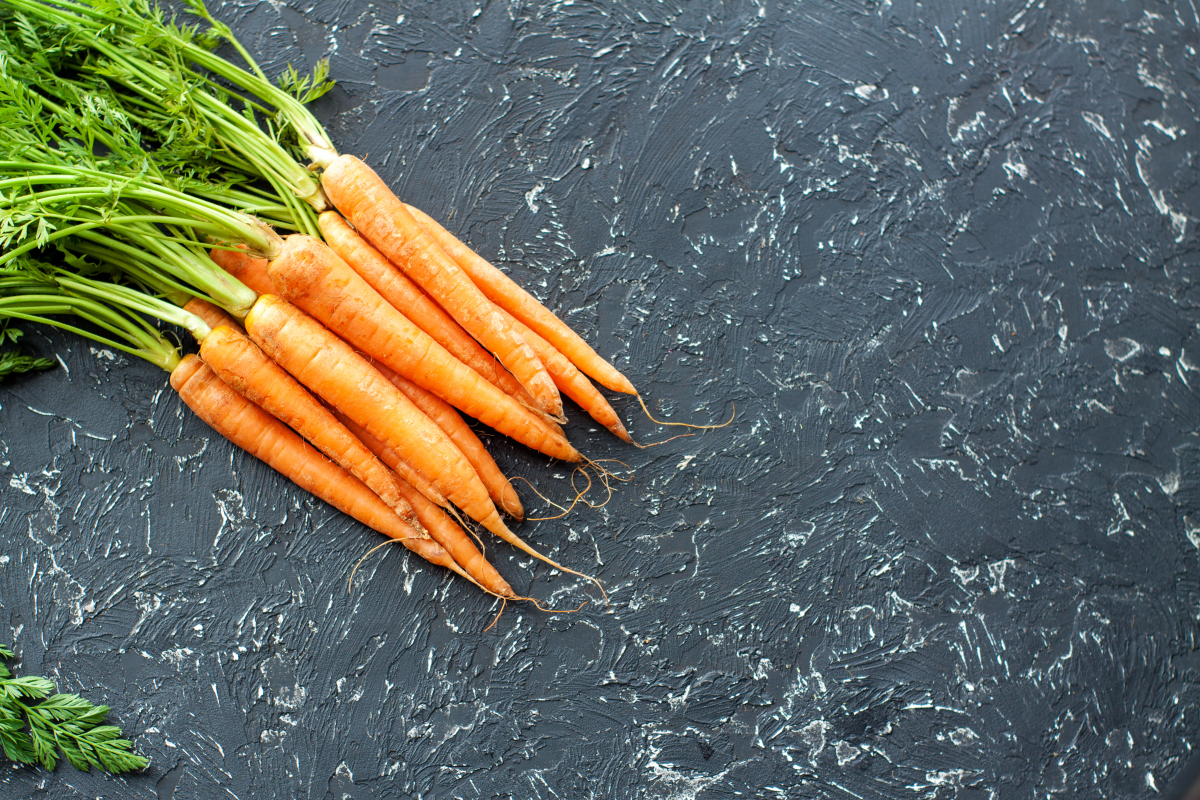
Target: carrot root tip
x,y
732,414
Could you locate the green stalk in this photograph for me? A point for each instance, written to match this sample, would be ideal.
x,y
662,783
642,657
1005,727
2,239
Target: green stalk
x,y
207,216
155,282
155,82
159,264
35,292
131,338
136,301
238,133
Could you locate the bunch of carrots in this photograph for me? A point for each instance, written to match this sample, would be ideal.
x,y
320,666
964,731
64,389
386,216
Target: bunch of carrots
x,y
144,176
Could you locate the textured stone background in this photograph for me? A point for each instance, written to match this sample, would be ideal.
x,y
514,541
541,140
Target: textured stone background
x,y
943,258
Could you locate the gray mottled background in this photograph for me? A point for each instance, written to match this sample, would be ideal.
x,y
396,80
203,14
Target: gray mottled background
x,y
943,258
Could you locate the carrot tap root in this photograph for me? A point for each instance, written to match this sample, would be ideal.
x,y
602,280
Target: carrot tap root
x,y
641,446
506,294
537,603
497,527
732,414
379,216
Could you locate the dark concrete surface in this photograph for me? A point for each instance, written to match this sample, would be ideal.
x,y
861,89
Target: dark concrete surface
x,y
943,258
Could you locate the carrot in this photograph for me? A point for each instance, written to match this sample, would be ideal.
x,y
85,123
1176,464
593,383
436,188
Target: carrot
x,y
507,294
250,271
248,371
313,277
331,368
241,365
407,298
245,368
446,418
573,383
266,438
439,411
211,314
365,200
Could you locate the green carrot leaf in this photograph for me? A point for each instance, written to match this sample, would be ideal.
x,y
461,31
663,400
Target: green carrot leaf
x,y
36,732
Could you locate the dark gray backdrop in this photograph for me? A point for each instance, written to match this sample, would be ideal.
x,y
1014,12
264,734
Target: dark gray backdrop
x,y
943,258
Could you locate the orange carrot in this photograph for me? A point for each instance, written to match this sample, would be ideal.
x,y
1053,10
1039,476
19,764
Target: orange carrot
x,y
507,294
212,315
446,418
313,277
407,298
573,383
269,440
248,270
365,200
331,368
245,368
253,271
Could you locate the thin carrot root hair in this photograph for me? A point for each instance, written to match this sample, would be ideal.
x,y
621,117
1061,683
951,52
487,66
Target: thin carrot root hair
x,y
543,609
605,474
462,523
523,545
664,441
566,510
503,605
686,424
603,481
456,569
537,603
380,546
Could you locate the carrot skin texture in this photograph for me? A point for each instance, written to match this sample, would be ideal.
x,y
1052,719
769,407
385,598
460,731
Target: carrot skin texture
x,y
376,213
330,367
445,417
395,462
508,294
314,278
407,298
253,272
248,270
247,369
573,383
269,440
213,316
428,511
